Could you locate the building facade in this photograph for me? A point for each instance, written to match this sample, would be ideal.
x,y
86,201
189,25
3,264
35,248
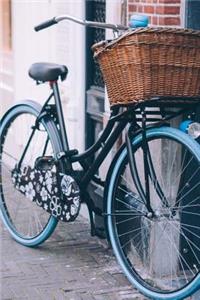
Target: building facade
x,y
83,93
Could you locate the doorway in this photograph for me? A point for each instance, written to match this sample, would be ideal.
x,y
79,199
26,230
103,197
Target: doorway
x,y
192,14
95,11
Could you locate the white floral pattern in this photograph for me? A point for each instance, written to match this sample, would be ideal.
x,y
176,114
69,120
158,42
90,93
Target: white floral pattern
x,y
40,186
29,191
48,180
66,185
76,201
44,194
73,210
55,206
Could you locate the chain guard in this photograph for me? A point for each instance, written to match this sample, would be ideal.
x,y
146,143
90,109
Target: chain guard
x,y
56,193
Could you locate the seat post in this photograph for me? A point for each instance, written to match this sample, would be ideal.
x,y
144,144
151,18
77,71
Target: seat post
x,y
54,86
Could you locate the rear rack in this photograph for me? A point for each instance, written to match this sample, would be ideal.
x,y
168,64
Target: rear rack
x,y
157,109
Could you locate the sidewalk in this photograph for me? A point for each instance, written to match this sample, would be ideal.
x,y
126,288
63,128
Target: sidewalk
x,y
70,265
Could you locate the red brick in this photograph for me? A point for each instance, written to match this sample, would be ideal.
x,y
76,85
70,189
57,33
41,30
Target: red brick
x,y
168,10
132,8
149,9
175,21
160,10
141,8
154,20
169,1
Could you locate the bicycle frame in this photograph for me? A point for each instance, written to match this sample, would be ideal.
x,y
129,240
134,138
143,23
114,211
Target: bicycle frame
x,y
119,119
104,143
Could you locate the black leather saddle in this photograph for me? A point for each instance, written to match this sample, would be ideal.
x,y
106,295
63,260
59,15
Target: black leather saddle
x,y
43,72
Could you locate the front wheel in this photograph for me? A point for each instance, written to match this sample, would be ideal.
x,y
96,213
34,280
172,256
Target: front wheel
x,y
158,250
28,223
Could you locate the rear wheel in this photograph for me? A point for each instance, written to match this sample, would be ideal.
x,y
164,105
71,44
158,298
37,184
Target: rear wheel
x,y
28,223
158,250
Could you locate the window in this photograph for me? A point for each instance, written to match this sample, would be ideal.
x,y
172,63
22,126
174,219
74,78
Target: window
x,y
192,14
5,26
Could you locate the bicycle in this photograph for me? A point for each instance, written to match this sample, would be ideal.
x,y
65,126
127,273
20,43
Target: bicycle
x,y
151,201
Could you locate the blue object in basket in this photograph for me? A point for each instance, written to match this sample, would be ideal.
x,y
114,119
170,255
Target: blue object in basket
x,y
138,21
185,125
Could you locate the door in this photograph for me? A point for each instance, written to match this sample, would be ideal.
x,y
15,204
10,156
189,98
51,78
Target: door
x,y
193,14
95,11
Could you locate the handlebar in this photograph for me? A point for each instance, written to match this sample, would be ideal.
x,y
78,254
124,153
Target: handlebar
x,y
58,19
136,20
45,24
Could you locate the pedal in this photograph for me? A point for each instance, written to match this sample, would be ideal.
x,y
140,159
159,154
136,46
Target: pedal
x,y
44,163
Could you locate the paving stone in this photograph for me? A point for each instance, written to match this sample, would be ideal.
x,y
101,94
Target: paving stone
x,y
71,265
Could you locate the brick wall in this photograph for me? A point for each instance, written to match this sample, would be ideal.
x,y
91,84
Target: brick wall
x,y
160,12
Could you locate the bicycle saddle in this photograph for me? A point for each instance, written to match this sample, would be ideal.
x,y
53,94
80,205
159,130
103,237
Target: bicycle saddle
x,y
47,71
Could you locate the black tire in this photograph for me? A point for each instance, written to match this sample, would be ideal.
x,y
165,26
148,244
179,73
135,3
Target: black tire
x,y
159,252
28,224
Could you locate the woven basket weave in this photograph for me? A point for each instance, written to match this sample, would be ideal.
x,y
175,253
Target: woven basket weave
x,y
150,62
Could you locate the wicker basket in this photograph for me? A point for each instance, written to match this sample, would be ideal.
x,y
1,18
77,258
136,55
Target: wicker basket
x,y
150,62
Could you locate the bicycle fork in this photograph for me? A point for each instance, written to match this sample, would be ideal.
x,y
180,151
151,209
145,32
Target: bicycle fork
x,y
144,195
149,172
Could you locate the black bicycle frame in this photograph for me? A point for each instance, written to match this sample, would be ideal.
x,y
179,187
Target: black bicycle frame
x,y
120,117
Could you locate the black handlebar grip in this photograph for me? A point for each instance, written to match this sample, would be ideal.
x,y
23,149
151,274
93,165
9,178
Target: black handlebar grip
x,y
45,24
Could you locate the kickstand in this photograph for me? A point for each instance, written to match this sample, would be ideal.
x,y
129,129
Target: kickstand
x,y
91,210
91,216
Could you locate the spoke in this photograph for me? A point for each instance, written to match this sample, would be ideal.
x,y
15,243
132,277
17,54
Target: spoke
x,y
189,242
129,241
38,222
5,167
188,205
188,192
192,226
125,233
30,228
182,164
8,189
40,226
194,234
179,254
17,210
9,155
126,213
190,213
131,194
169,176
179,251
131,207
188,181
130,185
182,171
129,219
